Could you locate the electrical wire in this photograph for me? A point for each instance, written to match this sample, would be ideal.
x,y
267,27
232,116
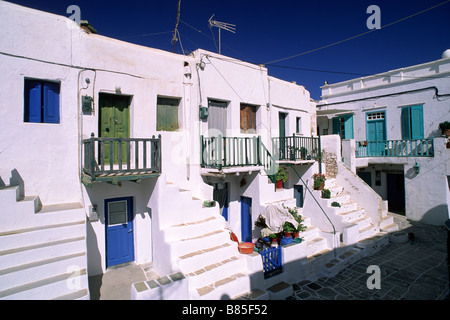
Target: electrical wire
x,y
359,35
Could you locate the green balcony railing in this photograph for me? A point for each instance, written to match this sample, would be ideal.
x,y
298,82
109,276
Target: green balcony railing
x,y
222,152
395,148
296,148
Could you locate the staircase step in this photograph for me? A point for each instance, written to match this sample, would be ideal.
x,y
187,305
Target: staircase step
x,y
255,294
187,230
224,288
196,260
280,291
207,274
315,245
200,242
353,215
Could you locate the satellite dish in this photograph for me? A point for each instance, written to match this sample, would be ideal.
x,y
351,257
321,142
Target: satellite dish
x,y
221,25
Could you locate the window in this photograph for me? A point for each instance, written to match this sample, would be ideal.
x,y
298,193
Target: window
x,y
41,101
343,126
248,118
375,116
412,122
167,114
298,125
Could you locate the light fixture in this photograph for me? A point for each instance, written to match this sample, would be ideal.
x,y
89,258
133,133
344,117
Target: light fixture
x,y
416,168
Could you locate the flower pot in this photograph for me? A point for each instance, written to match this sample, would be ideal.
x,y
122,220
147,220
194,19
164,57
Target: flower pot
x,y
446,132
322,185
288,234
296,234
279,184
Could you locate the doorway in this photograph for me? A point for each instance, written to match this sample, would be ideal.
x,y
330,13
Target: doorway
x,y
119,231
396,192
246,219
114,122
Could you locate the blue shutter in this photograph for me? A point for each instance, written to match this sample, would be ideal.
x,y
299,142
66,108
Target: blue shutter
x,y
51,102
33,101
348,120
416,122
406,124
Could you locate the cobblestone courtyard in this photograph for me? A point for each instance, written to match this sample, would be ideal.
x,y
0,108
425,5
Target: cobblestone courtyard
x,y
415,270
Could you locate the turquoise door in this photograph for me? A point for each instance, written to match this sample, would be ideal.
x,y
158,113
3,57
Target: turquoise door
x,y
246,219
376,134
119,231
282,127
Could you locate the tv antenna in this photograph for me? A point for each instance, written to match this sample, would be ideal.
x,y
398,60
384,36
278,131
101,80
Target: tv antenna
x,y
221,25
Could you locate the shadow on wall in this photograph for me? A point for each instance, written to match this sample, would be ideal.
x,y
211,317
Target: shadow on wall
x,y
437,215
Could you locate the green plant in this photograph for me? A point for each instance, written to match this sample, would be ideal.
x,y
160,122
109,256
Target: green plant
x,y
297,217
288,227
303,151
282,174
318,179
326,194
273,236
335,204
444,125
260,222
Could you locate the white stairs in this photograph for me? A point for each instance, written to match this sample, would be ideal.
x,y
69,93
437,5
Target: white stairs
x,y
351,213
42,249
201,248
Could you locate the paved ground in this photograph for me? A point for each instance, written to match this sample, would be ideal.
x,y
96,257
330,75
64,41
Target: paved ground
x,y
408,271
416,270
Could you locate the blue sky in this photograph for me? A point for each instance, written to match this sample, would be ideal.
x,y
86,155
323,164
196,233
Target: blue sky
x,y
267,31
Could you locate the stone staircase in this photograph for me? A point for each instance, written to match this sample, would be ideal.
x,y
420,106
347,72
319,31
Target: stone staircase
x,y
360,225
42,249
201,248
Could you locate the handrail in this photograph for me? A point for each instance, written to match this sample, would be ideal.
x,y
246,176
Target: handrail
x,y
334,229
296,147
395,148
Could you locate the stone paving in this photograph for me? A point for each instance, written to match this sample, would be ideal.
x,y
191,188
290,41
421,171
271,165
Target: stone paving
x,y
415,270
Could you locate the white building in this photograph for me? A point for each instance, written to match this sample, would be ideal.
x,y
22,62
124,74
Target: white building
x,y
109,150
389,124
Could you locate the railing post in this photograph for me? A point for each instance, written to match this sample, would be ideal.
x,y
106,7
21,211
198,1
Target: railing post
x,y
320,153
219,147
92,156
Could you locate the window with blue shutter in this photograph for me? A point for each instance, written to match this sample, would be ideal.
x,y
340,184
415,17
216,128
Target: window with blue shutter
x,y
412,122
41,101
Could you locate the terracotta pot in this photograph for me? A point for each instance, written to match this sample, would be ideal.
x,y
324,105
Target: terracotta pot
x,y
246,247
296,234
321,186
288,234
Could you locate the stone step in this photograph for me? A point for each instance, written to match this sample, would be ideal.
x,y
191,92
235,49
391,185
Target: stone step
x,y
353,215
255,294
223,288
195,260
189,229
280,291
209,273
315,245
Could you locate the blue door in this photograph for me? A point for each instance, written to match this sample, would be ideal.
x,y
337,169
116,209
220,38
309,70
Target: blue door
x,y
246,219
376,134
119,231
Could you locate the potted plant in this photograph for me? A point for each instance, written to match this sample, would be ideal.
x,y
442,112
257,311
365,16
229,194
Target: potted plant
x,y
288,229
299,219
335,204
326,194
445,127
281,176
303,152
274,238
319,181
292,151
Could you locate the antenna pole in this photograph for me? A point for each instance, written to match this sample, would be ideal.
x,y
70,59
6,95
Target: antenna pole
x,y
174,39
221,25
219,42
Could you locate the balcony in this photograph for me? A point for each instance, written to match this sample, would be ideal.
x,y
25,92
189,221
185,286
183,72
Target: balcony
x,y
296,149
235,154
120,159
395,148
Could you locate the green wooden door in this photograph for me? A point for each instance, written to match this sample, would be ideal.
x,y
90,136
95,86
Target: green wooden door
x,y
114,123
376,135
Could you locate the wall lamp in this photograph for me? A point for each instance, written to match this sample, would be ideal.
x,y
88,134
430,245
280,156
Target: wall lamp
x,y
416,168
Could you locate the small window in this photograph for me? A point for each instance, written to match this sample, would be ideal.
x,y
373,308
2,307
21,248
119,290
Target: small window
x,y
375,116
298,123
167,114
41,101
248,118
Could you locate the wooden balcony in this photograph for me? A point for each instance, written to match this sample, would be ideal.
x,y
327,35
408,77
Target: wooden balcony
x,y
395,148
120,159
296,149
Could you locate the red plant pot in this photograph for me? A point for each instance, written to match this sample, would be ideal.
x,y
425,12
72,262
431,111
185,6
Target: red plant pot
x,y
279,184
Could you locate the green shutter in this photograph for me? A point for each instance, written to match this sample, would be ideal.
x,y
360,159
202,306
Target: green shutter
x,y
416,122
335,125
406,124
167,114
